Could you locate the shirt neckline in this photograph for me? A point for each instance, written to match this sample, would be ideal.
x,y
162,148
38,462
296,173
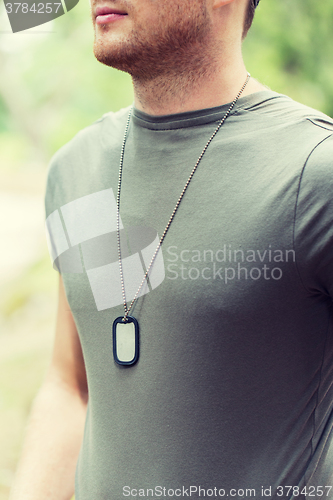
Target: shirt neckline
x,y
201,116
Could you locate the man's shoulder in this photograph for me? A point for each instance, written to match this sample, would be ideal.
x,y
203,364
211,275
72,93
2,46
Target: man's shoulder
x,y
72,170
303,112
279,107
316,132
283,126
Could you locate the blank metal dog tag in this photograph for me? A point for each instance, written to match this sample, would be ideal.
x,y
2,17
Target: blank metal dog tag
x,y
125,340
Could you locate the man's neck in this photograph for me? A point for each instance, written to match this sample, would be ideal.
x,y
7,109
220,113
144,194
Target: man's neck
x,y
171,94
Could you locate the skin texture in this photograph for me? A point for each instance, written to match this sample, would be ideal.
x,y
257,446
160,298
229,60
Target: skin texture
x,y
181,55
167,39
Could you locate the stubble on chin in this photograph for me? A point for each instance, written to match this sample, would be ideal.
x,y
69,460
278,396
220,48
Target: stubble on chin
x,y
152,53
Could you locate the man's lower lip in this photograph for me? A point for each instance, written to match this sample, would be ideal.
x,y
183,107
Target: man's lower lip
x,y
109,18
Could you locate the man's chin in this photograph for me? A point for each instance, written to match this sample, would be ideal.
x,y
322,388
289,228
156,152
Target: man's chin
x,y
103,56
149,56
113,58
127,57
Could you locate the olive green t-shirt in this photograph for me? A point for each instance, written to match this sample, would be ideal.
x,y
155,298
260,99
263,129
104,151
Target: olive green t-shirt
x,y
232,392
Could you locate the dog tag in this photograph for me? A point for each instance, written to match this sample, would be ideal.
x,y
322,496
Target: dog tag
x,y
125,340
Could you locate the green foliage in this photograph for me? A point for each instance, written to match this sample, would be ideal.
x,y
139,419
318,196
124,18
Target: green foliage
x,y
38,280
56,87
23,364
289,49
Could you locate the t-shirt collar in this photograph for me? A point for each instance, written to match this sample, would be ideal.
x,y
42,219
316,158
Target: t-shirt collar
x,y
201,116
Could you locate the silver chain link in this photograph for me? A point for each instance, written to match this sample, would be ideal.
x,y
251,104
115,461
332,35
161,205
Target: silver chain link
x,y
127,310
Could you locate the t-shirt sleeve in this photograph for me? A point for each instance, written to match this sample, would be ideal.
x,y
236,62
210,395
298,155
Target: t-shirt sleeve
x,y
55,236
313,230
67,180
65,258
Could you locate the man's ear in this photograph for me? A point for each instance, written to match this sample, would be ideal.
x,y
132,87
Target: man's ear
x,y
221,3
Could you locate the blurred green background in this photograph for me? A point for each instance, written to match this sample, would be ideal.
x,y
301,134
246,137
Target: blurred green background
x,y
51,87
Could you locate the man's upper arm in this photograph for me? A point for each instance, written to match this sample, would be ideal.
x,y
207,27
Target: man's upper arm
x,y
67,365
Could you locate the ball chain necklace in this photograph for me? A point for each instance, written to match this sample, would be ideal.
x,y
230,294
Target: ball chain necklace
x,y
126,328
